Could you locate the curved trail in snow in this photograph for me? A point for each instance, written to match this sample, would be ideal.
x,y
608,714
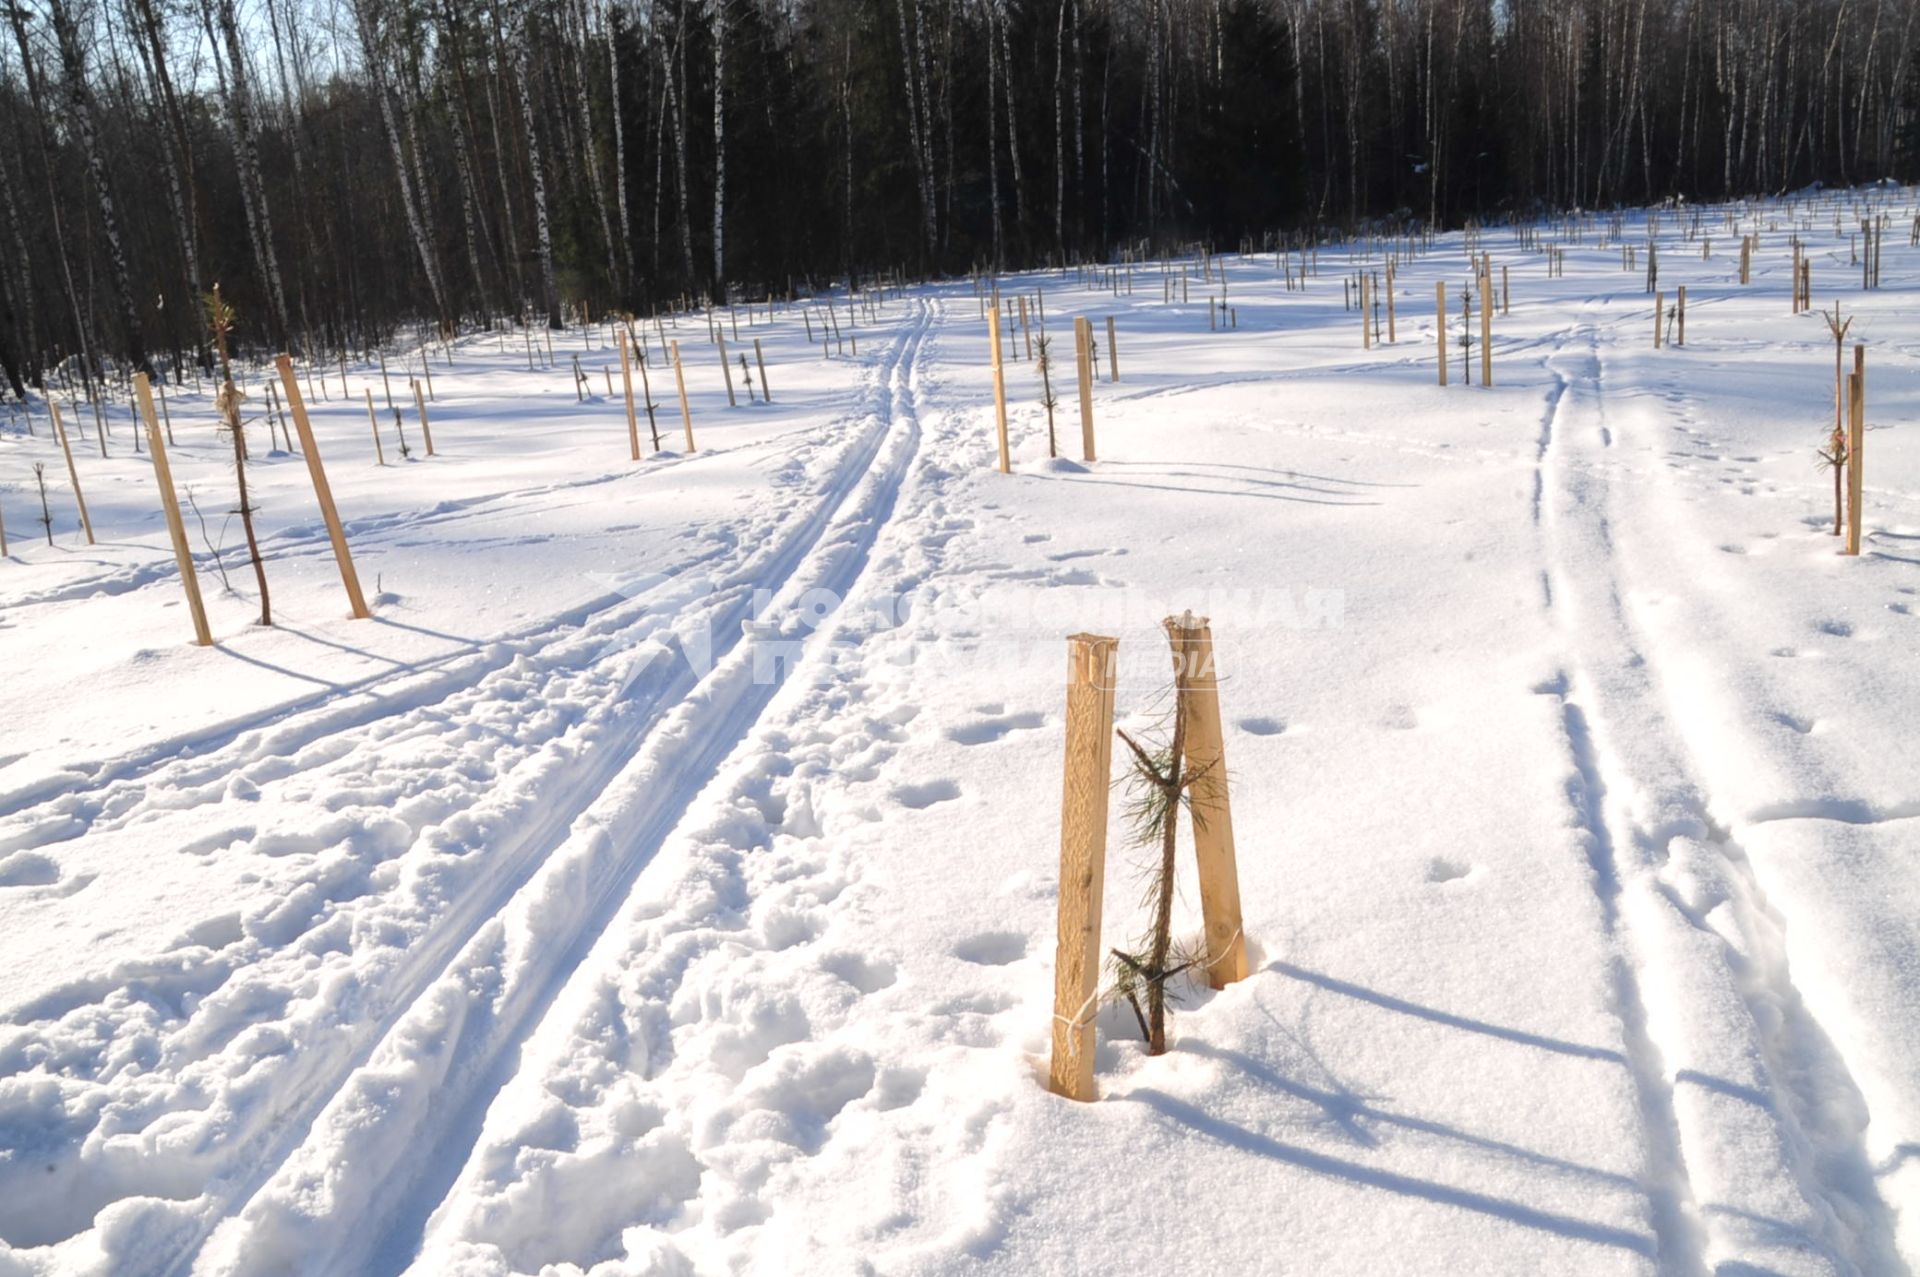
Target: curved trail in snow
x,y
415,1106
540,732
1750,1163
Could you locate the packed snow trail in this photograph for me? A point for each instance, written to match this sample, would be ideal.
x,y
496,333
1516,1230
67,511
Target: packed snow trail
x,y
414,1102
479,769
1721,1036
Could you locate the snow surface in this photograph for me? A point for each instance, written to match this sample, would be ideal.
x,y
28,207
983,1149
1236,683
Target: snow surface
x,y
664,880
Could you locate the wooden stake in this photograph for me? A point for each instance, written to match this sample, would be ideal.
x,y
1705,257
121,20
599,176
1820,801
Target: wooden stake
x,y
373,422
726,371
1486,326
1083,862
626,380
1206,762
1440,324
1680,335
680,381
1504,295
421,404
999,385
170,507
322,492
1856,447
73,475
1113,353
1083,349
766,391
1392,332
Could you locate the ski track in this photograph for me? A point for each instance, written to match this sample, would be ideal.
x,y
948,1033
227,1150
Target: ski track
x,y
415,1107
571,701
1750,1168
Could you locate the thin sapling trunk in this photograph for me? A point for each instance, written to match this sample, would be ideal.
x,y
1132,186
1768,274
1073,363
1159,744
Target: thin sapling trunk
x,y
220,320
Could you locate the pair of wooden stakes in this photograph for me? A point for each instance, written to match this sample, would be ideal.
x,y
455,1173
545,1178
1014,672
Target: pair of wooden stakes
x,y
1091,665
1083,360
176,527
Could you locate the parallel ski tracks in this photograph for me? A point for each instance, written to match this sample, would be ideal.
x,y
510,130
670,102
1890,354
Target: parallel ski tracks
x,y
104,794
634,810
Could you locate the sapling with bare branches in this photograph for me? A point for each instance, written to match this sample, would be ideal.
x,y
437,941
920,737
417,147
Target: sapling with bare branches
x,y
1835,454
220,317
46,511
1044,345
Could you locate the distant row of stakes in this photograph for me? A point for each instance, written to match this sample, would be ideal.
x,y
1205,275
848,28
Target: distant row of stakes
x,y
149,401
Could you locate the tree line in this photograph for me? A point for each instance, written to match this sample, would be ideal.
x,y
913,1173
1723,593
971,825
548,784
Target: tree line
x,y
345,166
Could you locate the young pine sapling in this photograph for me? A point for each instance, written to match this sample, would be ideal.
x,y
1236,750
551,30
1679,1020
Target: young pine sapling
x,y
1045,348
220,320
1160,783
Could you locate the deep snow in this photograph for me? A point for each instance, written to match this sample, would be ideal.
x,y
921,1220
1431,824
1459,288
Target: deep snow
x,y
664,879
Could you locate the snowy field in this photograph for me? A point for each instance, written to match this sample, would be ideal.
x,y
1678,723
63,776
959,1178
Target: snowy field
x,y
663,880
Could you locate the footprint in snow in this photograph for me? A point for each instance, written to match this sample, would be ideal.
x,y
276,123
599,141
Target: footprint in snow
x,y
1838,629
987,730
1262,726
992,948
925,794
28,869
1442,869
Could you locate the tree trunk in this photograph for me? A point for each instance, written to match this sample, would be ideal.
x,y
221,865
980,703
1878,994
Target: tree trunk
x,y
422,243
252,188
719,149
521,36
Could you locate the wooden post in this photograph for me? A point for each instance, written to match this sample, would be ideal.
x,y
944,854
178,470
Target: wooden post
x,y
1113,353
1392,332
1366,312
421,404
760,358
1486,327
1083,349
999,385
1206,763
73,475
726,371
379,452
1083,862
1856,446
170,507
321,491
1440,324
680,382
1026,332
1680,334
1659,317
1504,294
626,380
